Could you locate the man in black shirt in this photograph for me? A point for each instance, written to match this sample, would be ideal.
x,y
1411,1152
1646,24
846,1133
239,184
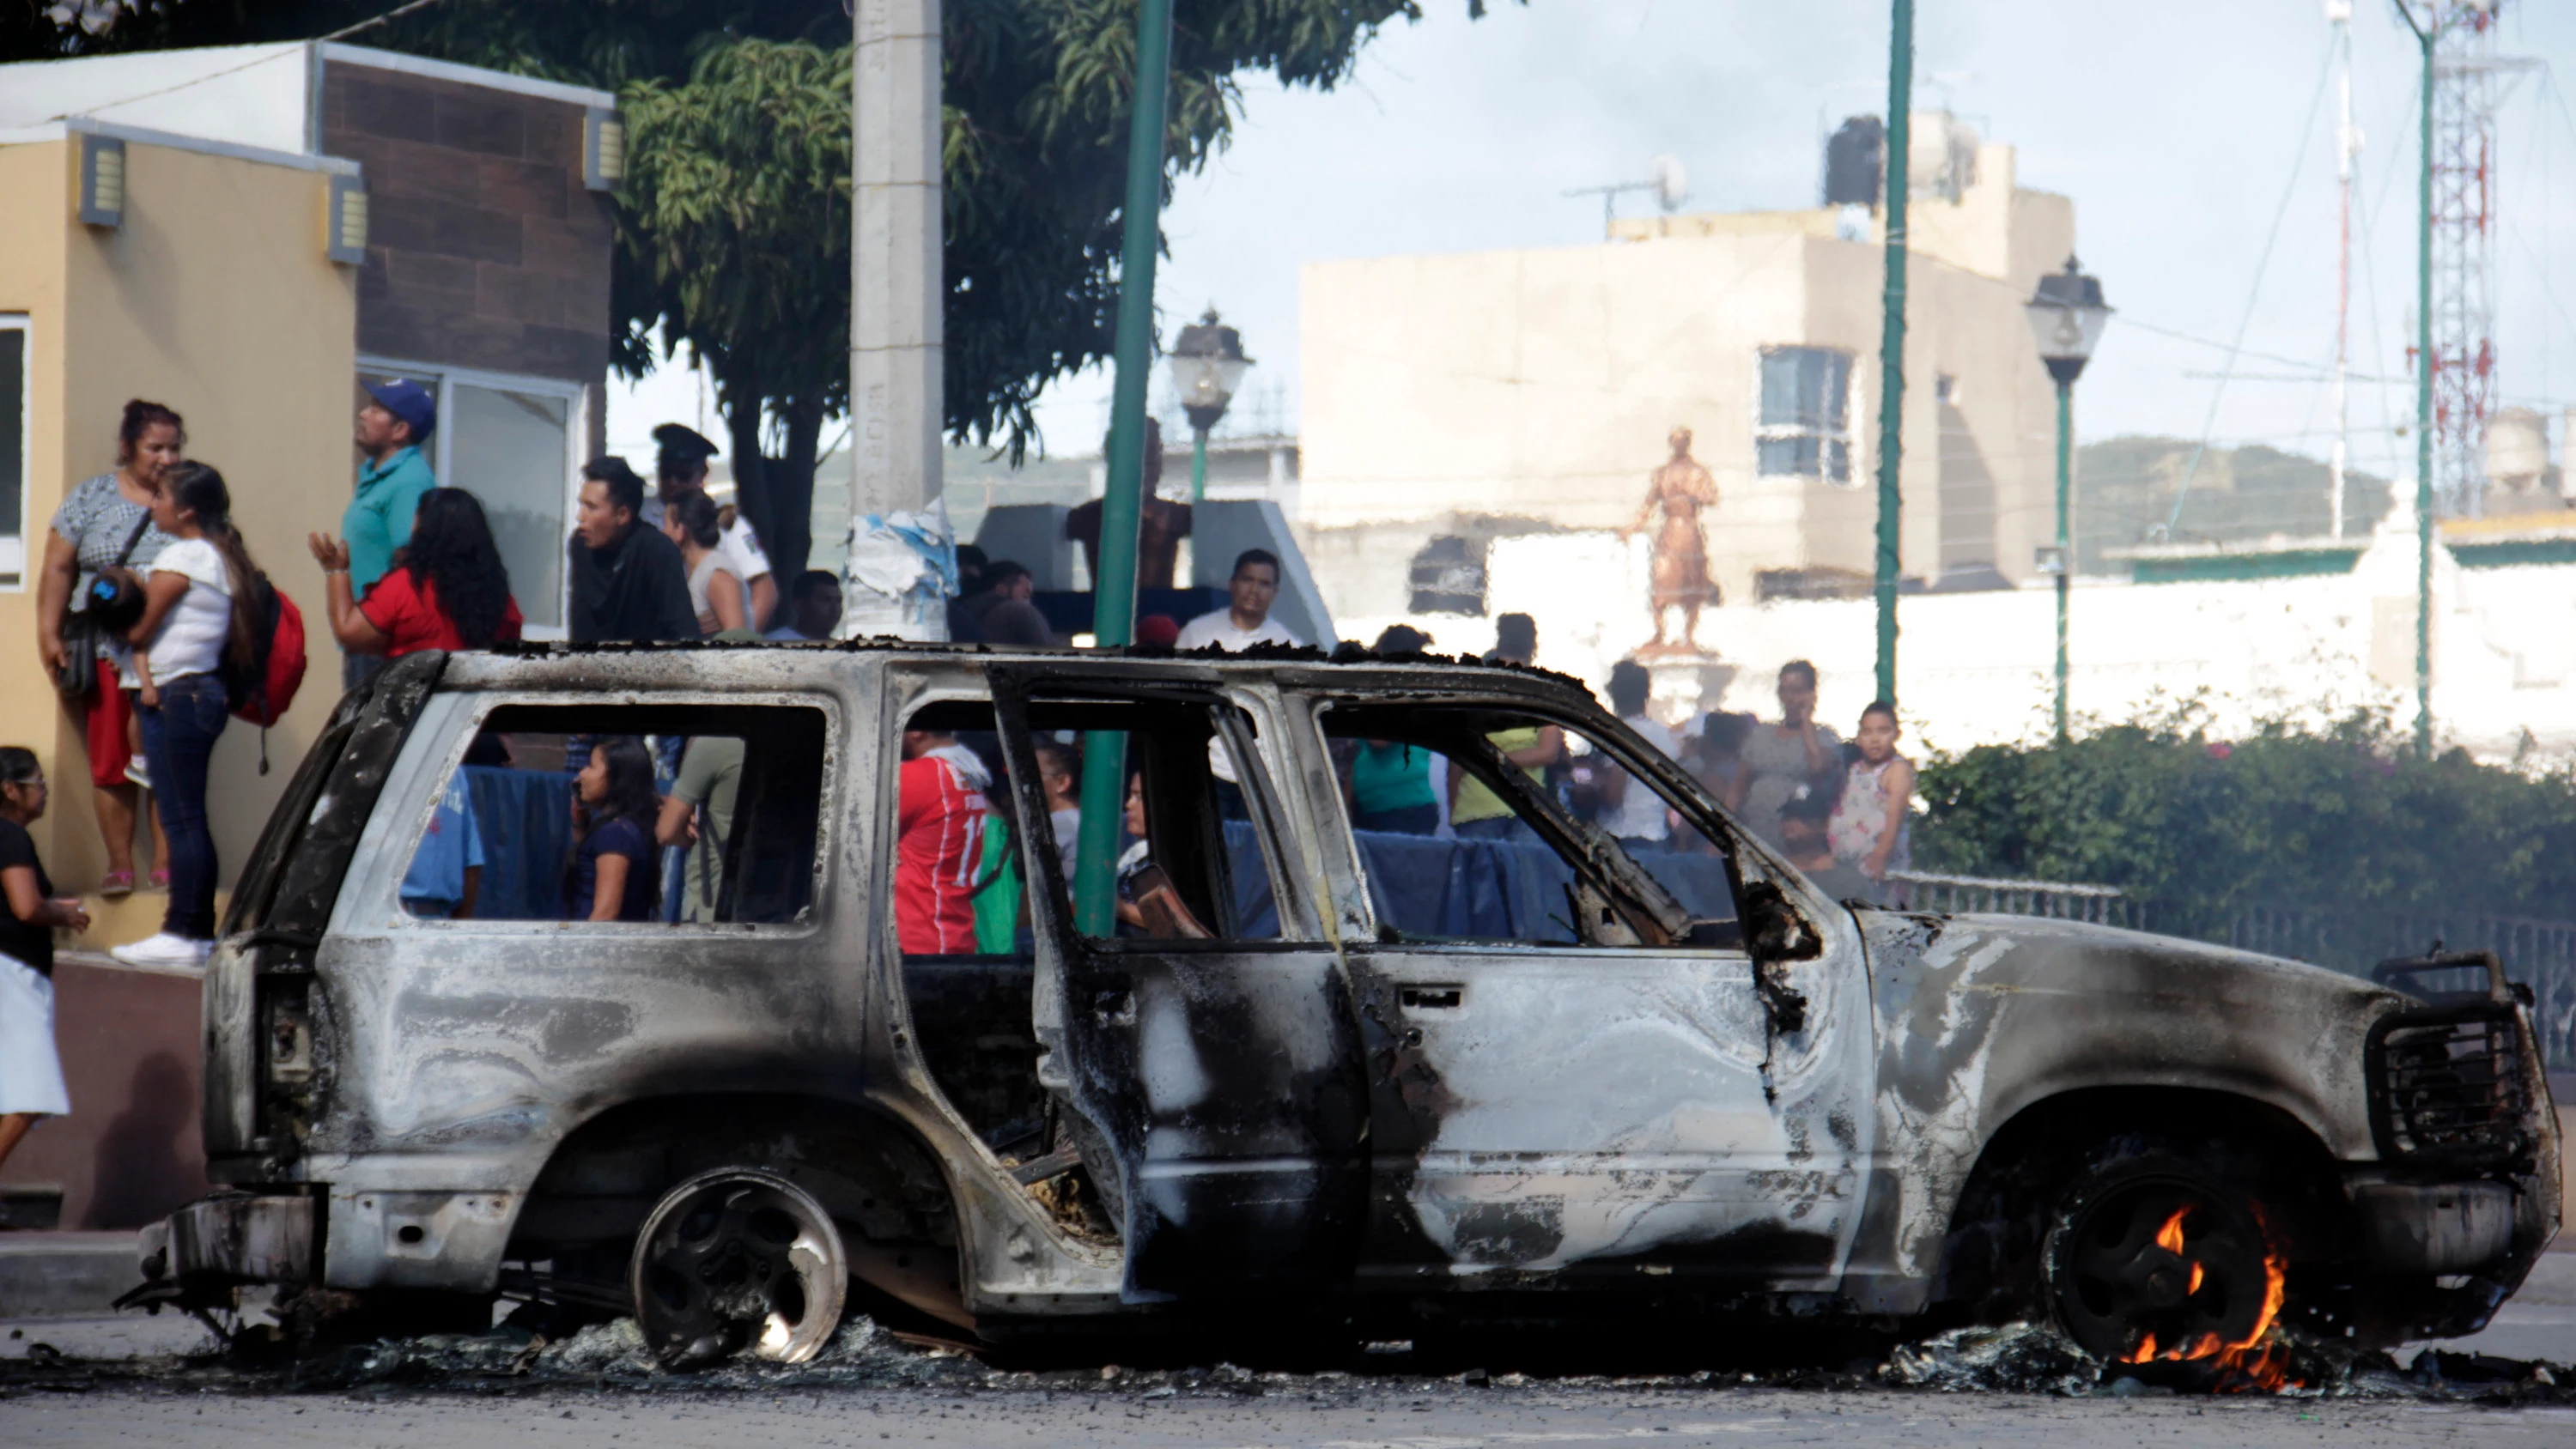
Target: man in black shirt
x,y
628,582
1002,614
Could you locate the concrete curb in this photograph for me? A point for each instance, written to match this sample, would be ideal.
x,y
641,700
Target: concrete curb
x,y
65,1275
2552,1281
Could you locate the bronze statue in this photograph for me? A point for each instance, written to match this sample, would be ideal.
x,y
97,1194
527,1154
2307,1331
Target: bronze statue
x,y
1160,526
1680,488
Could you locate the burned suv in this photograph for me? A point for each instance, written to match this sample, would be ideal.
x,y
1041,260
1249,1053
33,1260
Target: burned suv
x,y
1348,1073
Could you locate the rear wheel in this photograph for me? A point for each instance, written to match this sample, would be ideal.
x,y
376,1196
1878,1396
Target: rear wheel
x,y
2155,1254
738,1261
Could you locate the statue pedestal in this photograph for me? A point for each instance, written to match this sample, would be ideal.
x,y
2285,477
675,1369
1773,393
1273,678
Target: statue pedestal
x,y
1685,684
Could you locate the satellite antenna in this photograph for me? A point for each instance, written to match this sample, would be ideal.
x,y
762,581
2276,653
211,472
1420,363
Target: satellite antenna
x,y
1670,184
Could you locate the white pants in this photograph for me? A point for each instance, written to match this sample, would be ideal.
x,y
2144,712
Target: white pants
x,y
31,1070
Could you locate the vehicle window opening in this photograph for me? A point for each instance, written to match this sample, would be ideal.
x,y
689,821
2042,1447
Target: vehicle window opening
x,y
712,814
1192,870
961,917
1191,864
1549,840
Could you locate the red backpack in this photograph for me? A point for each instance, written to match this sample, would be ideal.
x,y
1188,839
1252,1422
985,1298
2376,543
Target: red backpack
x,y
263,693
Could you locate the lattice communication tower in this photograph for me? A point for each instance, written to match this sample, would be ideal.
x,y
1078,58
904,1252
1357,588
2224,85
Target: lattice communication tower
x,y
2466,89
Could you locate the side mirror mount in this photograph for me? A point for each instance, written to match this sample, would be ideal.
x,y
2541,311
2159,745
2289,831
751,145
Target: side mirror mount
x,y
1776,929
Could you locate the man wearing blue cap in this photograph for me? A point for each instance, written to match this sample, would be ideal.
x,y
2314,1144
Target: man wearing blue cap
x,y
390,428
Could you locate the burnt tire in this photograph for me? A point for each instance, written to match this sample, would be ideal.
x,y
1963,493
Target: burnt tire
x,y
738,1261
2160,1249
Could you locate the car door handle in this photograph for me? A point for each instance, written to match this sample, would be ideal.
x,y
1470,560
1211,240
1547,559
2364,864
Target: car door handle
x,y
1433,998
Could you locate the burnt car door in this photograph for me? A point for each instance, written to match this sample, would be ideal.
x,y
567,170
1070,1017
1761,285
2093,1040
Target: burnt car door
x,y
1210,1041
1583,1073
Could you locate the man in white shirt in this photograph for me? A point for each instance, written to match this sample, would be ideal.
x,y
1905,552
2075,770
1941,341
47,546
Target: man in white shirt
x,y
1243,623
681,467
1246,621
1631,810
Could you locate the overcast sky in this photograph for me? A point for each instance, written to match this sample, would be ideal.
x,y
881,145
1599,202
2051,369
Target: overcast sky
x,y
2180,128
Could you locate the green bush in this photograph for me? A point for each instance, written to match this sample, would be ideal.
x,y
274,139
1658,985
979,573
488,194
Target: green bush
x,y
2342,818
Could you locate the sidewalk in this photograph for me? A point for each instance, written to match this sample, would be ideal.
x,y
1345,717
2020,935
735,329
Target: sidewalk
x,y
65,1275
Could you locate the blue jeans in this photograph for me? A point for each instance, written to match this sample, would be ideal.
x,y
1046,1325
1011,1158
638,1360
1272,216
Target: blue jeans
x,y
178,739
1498,827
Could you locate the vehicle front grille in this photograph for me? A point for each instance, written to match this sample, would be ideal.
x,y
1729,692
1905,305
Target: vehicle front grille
x,y
2448,1084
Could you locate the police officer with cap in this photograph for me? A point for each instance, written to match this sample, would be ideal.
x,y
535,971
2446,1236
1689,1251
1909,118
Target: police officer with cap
x,y
681,468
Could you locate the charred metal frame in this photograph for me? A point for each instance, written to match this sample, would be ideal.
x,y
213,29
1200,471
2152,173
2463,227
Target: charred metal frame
x,y
1892,1050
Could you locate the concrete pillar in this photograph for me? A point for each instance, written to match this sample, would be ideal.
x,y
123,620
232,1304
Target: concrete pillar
x,y
896,283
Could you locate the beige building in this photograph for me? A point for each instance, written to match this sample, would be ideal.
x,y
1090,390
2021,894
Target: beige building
x,y
243,235
1451,400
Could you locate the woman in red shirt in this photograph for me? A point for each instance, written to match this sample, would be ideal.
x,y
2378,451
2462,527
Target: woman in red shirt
x,y
448,589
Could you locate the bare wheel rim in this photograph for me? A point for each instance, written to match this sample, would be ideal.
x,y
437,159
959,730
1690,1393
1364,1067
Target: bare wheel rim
x,y
737,1261
2117,1281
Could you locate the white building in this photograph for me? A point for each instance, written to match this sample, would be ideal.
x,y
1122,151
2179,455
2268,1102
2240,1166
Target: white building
x,y
1449,401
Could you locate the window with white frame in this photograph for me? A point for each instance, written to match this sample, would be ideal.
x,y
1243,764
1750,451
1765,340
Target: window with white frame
x,y
514,443
1805,429
14,407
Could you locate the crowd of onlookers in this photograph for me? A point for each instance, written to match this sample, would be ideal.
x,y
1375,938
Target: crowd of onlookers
x,y
158,626
1837,809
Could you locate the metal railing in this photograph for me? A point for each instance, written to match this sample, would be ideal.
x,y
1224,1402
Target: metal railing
x,y
2052,900
2540,954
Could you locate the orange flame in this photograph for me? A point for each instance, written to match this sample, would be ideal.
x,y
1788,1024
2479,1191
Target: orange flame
x,y
2254,1362
2169,1237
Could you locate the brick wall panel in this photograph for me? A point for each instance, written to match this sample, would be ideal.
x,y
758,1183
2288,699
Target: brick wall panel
x,y
554,139
471,231
523,187
434,173
564,352
517,295
422,273
563,249
486,250
491,124
382,103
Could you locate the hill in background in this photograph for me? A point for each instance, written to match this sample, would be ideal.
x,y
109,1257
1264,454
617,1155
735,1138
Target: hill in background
x,y
2125,489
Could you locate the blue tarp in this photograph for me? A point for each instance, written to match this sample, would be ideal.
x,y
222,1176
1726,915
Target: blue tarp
x,y
526,820
1473,890
1490,890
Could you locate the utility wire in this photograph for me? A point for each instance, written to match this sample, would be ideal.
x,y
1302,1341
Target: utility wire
x,y
342,33
2307,133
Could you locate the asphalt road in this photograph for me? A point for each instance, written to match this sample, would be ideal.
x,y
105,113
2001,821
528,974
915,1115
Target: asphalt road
x,y
138,1399
1398,1415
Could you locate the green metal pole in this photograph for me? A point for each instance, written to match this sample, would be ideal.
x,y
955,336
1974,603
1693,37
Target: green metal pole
x,y
2065,544
1198,470
2424,403
1891,341
1113,597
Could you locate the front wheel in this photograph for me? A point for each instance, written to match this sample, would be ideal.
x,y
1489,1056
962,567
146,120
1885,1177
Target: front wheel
x,y
2158,1255
738,1261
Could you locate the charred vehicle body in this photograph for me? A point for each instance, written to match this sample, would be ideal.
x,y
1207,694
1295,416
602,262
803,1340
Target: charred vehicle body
x,y
1329,1068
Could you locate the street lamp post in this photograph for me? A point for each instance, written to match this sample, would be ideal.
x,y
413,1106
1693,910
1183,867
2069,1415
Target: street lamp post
x,y
2427,35
1122,505
1207,364
2067,315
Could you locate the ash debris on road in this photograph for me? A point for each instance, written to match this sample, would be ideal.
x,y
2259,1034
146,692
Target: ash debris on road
x,y
2012,1359
2037,1359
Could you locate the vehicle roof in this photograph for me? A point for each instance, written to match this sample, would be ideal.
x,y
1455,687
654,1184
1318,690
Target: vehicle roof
x,y
1264,656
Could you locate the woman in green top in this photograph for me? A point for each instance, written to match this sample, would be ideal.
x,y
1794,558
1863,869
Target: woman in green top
x,y
1391,782
1391,789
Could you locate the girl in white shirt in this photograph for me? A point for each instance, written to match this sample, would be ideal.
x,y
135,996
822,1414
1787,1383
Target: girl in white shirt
x,y
192,628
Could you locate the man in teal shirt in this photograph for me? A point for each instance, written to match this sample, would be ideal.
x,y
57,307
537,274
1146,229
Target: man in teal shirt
x,y
390,483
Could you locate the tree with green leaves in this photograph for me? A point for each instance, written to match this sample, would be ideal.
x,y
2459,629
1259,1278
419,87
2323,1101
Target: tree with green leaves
x,y
730,100
734,239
